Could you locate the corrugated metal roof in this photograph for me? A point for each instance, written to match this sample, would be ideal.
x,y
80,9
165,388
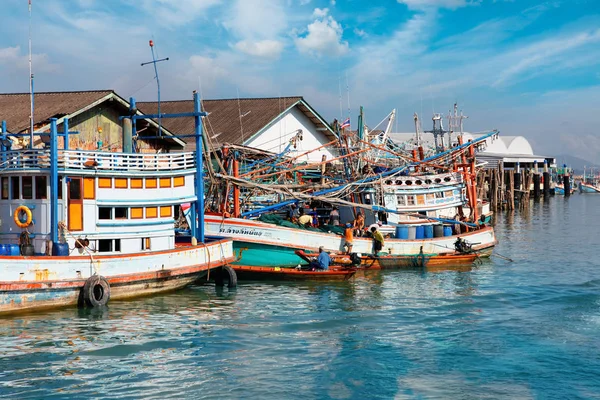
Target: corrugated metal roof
x,y
15,107
224,123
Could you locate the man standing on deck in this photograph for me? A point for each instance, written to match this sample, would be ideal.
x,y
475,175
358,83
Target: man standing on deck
x,y
322,262
377,240
348,238
334,217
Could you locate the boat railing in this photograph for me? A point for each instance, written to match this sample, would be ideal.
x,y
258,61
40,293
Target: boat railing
x,y
85,160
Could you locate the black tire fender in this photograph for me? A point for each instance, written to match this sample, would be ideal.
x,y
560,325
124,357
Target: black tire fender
x,y
96,291
226,273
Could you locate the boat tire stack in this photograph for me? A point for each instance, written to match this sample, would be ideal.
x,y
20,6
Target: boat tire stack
x,y
225,273
96,291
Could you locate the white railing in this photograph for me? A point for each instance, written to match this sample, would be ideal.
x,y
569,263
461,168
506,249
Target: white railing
x,y
96,160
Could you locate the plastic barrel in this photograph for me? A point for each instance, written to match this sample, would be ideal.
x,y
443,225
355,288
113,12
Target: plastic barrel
x,y
420,232
438,231
402,232
27,250
447,231
4,250
412,232
428,231
60,249
14,250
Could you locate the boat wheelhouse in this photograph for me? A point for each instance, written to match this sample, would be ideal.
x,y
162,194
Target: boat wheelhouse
x,y
87,226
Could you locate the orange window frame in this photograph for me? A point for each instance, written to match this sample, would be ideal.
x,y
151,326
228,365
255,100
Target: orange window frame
x,y
136,183
178,181
165,182
105,183
151,212
166,211
151,183
89,188
121,183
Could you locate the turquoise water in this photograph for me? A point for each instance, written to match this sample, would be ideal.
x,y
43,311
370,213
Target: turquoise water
x,y
528,329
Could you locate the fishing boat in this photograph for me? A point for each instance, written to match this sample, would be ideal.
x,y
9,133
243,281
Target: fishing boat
x,y
86,227
334,273
398,262
265,244
588,188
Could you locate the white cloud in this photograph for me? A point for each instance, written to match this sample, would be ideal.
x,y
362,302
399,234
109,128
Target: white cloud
x,y
262,48
320,12
258,19
323,36
424,4
12,58
359,32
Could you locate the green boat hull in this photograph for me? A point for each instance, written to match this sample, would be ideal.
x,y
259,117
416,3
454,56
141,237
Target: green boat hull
x,y
262,255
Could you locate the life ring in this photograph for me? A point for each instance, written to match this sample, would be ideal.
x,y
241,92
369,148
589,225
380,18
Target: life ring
x,y
27,212
226,273
96,291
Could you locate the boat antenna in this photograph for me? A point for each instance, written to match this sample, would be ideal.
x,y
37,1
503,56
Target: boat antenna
x,y
30,84
154,61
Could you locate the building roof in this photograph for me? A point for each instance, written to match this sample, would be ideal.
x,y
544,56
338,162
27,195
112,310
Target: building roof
x,y
15,107
232,121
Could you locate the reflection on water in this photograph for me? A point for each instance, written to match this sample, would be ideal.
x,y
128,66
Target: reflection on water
x,y
494,330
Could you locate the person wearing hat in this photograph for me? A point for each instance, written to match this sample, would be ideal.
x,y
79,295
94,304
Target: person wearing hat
x,y
348,237
322,262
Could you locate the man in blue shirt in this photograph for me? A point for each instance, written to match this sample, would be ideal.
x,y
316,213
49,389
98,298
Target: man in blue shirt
x,y
322,262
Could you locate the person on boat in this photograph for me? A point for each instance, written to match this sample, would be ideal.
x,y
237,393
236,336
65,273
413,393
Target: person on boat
x,y
322,262
376,225
315,217
348,238
334,216
304,219
293,213
359,223
377,240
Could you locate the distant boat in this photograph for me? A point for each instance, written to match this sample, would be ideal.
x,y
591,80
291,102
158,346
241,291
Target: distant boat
x,y
334,273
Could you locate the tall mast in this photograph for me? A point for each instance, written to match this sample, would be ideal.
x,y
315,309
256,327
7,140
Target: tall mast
x,y
30,84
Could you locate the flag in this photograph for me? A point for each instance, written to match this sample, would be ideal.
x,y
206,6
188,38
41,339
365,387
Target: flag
x,y
345,124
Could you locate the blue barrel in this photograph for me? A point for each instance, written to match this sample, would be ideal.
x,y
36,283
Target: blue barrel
x,y
4,250
428,231
438,231
14,250
60,249
420,232
402,232
447,231
412,232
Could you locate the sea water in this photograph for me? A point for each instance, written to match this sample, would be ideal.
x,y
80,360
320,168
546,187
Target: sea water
x,y
500,330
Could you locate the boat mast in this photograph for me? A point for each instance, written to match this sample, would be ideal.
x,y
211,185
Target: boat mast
x,y
30,84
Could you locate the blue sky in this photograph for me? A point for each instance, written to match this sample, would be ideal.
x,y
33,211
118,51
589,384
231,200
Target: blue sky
x,y
524,67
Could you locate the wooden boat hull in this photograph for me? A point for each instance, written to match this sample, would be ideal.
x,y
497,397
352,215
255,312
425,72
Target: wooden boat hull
x,y
261,244
402,262
47,281
278,273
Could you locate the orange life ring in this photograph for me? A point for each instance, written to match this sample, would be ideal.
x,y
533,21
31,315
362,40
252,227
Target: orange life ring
x,y
27,212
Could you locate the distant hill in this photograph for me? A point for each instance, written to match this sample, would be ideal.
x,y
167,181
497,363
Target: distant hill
x,y
576,163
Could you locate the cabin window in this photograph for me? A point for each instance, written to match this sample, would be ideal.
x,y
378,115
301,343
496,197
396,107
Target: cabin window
x,y
146,243
117,244
15,187
439,195
448,193
27,182
137,212
151,183
89,188
105,245
136,183
430,197
121,183
104,183
41,190
5,188
166,211
151,212
121,213
179,181
60,189
401,200
75,189
410,200
165,182
421,199
104,213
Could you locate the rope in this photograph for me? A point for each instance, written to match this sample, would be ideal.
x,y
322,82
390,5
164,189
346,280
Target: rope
x,y
63,227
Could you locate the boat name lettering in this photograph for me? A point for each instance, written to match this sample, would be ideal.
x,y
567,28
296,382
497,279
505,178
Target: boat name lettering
x,y
241,231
